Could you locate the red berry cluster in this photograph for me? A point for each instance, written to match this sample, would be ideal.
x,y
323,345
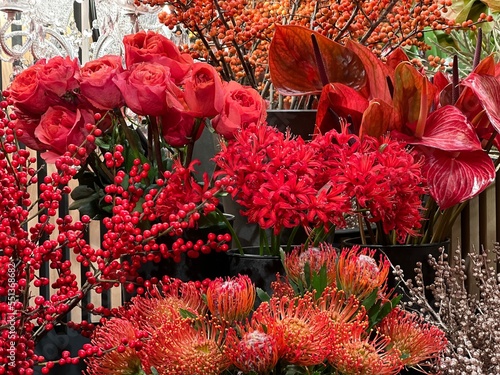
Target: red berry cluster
x,y
146,224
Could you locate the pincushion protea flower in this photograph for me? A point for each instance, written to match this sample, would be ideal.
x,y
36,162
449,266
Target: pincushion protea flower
x,y
359,353
118,358
341,309
187,347
417,340
359,274
306,332
156,311
281,287
252,350
325,255
231,298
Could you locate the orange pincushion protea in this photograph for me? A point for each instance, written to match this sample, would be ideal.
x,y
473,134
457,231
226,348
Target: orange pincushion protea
x,y
118,358
316,257
341,309
155,312
359,353
231,299
359,274
253,350
417,340
187,347
305,331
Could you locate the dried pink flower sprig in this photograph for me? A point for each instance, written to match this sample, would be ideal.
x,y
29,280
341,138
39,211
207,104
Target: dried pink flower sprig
x,y
466,306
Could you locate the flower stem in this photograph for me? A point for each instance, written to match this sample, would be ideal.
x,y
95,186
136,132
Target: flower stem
x,y
231,230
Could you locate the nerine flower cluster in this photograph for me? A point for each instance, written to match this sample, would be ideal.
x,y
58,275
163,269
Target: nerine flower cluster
x,y
283,181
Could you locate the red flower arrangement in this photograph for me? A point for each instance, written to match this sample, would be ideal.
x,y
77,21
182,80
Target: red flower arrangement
x,y
325,332
285,182
135,173
451,122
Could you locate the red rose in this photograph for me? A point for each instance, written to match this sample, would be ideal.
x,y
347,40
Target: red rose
x,y
59,75
152,47
96,82
202,88
42,85
145,88
28,125
178,122
59,127
238,106
178,127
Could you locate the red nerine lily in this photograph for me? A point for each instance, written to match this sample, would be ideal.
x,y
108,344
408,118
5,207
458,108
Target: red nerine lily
x,y
394,97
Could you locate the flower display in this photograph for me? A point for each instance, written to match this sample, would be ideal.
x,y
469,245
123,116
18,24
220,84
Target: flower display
x,y
452,138
126,133
329,332
235,36
285,182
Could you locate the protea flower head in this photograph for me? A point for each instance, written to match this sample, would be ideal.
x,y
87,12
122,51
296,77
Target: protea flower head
x,y
195,347
420,343
118,358
360,353
252,350
156,311
341,309
231,298
305,331
325,255
281,287
359,274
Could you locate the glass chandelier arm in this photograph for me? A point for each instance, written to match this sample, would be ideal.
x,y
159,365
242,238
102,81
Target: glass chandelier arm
x,y
61,46
10,54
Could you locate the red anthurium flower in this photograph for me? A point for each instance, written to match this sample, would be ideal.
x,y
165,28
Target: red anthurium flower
x,y
487,89
454,177
344,101
292,45
438,127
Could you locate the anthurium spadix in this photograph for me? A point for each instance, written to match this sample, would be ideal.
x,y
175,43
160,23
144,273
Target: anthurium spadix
x,y
378,98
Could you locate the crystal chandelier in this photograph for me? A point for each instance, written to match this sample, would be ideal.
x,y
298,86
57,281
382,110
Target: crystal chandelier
x,y
39,29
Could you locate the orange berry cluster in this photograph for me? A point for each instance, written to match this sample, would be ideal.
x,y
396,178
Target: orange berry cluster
x,y
235,35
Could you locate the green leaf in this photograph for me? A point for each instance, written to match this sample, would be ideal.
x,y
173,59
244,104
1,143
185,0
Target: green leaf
x,y
77,204
81,192
263,296
319,281
101,143
307,274
154,371
370,300
187,314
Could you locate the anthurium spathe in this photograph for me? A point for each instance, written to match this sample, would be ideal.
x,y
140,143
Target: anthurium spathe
x,y
290,51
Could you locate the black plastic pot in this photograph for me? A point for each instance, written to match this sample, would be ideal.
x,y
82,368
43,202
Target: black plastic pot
x,y
300,122
261,269
407,257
